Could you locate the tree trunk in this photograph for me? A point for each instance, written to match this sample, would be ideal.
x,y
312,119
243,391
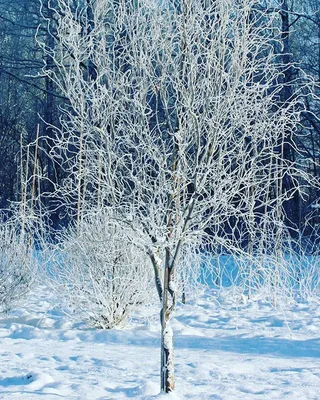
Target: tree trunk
x,y
167,352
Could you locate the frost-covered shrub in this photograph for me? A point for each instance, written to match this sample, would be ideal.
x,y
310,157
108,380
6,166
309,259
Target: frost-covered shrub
x,y
101,272
282,276
190,275
17,265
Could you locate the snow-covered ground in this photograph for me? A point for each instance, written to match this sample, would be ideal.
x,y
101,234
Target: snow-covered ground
x,y
223,350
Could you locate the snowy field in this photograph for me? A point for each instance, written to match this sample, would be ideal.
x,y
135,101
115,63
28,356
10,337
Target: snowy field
x,y
223,350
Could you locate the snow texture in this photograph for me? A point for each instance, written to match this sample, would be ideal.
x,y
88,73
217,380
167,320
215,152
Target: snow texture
x,y
172,286
223,350
168,337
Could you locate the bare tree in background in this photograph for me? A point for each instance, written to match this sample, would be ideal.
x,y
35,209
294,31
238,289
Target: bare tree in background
x,y
175,124
28,101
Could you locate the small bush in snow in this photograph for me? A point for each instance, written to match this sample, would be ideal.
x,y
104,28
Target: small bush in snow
x,y
101,272
17,265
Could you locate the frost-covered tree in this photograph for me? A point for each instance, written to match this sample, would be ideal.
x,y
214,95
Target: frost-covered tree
x,y
174,123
